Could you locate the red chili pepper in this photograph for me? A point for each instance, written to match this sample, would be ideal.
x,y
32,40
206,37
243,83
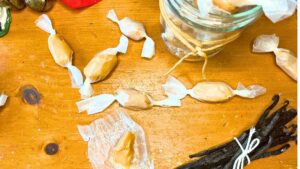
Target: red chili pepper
x,y
80,3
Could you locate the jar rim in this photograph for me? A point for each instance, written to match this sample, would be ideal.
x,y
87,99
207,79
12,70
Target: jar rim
x,y
224,23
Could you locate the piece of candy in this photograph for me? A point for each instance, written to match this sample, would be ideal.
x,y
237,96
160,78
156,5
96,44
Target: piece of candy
x,y
5,20
210,91
274,10
100,66
124,151
128,98
225,5
136,31
60,50
75,4
112,137
3,99
284,58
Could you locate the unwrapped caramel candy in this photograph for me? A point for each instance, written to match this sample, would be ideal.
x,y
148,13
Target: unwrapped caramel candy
x,y
116,142
60,50
124,151
128,98
284,58
210,91
136,31
100,66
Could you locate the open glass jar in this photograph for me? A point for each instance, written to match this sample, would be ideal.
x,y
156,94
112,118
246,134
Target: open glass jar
x,y
189,35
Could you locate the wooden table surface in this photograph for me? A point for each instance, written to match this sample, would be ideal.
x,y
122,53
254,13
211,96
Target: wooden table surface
x,y
172,133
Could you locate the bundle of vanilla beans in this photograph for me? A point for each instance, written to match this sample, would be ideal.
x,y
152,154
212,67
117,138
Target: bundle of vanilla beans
x,y
273,130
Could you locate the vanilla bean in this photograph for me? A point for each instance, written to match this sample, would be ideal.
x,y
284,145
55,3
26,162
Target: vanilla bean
x,y
282,140
261,120
267,129
262,149
281,109
213,149
273,153
271,130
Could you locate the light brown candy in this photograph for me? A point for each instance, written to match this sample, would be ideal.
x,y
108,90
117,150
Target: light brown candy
x,y
225,5
60,50
100,67
128,98
284,58
134,30
124,151
134,99
212,91
115,141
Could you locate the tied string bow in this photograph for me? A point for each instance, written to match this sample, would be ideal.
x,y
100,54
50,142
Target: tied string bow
x,y
252,144
197,47
198,51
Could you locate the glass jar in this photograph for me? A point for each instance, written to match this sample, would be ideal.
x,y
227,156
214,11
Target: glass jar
x,y
185,32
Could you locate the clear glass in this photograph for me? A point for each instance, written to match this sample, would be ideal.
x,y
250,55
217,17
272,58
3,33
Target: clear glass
x,y
209,31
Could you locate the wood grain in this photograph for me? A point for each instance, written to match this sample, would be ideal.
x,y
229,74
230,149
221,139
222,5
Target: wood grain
x,y
172,133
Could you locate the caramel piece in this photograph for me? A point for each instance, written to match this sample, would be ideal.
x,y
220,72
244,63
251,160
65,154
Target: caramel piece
x,y
134,99
225,5
124,151
128,98
100,67
212,91
60,50
134,30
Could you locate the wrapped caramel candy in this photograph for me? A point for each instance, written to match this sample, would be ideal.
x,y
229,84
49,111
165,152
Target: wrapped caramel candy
x,y
3,99
275,10
136,31
128,98
60,50
210,91
100,66
284,58
116,142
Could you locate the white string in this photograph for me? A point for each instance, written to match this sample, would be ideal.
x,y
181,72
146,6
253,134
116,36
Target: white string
x,y
251,145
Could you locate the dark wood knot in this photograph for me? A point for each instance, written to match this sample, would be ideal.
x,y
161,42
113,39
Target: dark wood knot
x,y
51,148
30,95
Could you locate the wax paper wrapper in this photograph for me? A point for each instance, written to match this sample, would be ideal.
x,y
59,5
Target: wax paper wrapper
x,y
102,136
101,60
136,31
60,50
128,98
3,99
275,10
210,91
284,58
